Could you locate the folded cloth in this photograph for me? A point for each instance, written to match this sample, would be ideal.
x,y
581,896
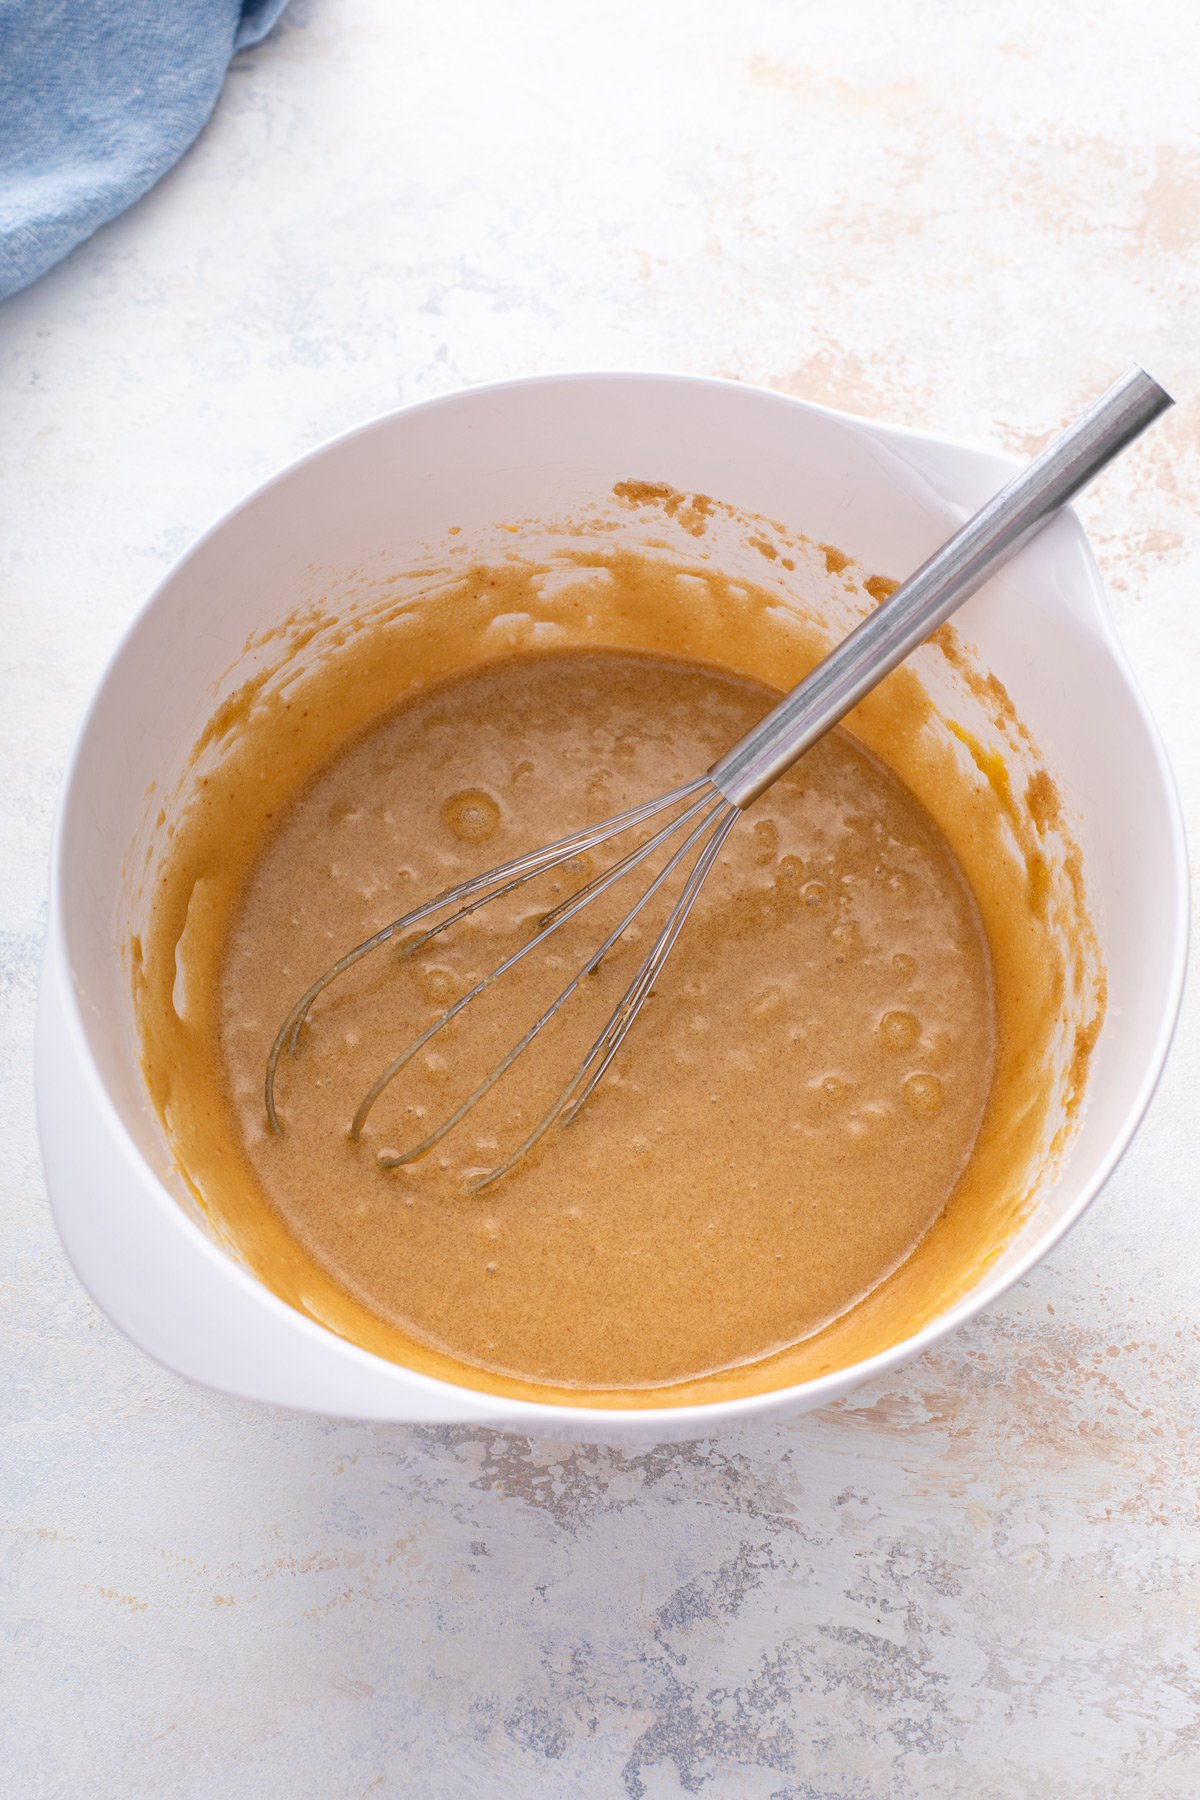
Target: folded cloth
x,y
98,98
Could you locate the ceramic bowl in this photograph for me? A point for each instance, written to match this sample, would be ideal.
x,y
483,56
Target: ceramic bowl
x,y
888,497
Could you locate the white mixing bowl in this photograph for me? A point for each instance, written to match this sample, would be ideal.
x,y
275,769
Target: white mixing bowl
x,y
512,450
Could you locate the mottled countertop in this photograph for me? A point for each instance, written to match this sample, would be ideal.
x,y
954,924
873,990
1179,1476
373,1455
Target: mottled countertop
x,y
978,1578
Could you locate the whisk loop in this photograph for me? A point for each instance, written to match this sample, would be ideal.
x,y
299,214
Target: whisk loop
x,y
714,800
709,816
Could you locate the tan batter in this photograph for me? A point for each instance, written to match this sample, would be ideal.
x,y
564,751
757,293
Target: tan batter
x,y
830,1118
786,1120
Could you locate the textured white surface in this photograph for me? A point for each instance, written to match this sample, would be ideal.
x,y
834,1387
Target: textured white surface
x,y
981,1578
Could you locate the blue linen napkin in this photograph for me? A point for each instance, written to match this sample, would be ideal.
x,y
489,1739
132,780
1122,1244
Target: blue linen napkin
x,y
98,98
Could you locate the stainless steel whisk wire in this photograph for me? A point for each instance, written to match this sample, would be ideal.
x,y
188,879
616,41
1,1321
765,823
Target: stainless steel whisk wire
x,y
550,924
716,818
712,803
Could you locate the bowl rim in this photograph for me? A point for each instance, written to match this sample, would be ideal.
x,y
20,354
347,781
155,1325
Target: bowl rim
x,y
487,1407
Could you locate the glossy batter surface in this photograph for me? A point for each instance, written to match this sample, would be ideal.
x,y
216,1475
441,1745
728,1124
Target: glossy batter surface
x,y
782,1126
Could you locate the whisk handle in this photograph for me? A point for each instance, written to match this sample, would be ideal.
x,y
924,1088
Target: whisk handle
x,y
950,576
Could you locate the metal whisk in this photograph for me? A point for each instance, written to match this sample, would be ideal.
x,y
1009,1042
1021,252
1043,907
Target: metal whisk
x,y
705,810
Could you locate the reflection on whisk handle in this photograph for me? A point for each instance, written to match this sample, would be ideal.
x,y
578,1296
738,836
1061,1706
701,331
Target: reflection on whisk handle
x,y
951,575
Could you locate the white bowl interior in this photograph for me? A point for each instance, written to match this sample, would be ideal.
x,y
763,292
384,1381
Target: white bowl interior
x,y
376,499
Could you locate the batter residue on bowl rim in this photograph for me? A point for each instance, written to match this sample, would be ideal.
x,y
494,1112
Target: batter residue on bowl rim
x,y
822,1126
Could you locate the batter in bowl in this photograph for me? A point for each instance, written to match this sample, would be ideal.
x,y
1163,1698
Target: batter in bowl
x,y
826,1119
783,1124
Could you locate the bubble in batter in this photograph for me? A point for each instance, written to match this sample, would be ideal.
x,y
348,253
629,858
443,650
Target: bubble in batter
x,y
923,1096
899,1030
472,815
